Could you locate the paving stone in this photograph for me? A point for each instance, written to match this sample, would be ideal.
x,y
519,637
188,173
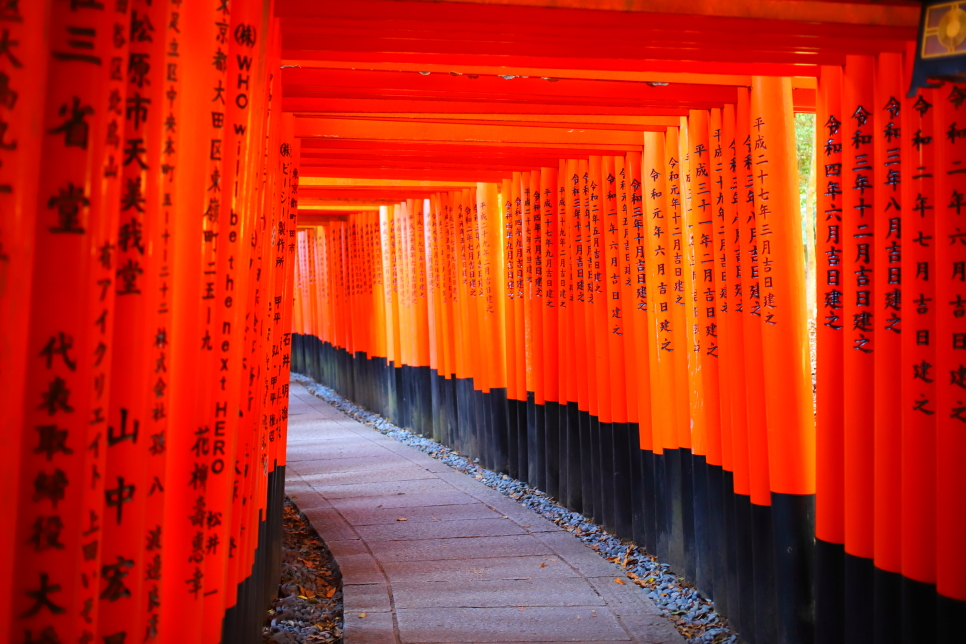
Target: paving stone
x,y
389,474
329,524
303,495
586,561
435,549
626,599
319,465
495,593
343,548
404,500
417,457
404,530
652,629
569,624
340,449
383,488
485,568
324,448
366,598
523,516
375,628
360,569
416,514
311,428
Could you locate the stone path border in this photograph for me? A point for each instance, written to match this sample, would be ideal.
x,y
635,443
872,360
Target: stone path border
x,y
466,565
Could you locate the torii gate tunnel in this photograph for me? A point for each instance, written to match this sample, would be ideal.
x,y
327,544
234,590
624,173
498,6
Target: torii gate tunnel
x,y
601,245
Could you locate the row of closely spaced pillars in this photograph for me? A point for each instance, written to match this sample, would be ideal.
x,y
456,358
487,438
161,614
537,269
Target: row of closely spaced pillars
x,y
148,193
631,333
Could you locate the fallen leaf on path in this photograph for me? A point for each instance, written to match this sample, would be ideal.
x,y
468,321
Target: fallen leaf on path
x,y
361,615
619,581
402,519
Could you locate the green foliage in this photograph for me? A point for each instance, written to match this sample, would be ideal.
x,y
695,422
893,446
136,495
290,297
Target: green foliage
x,y
804,147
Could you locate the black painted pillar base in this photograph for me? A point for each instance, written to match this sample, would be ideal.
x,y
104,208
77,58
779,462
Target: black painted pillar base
x,y
859,575
917,621
551,449
829,592
744,618
793,519
763,542
887,604
623,504
950,619
242,623
703,576
605,477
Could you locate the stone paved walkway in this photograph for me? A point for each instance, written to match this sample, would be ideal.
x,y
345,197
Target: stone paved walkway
x,y
466,565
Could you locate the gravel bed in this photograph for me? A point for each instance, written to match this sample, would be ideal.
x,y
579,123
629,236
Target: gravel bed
x,y
309,603
693,616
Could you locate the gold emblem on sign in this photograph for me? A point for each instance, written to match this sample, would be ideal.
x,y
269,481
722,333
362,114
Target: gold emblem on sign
x,y
952,28
944,31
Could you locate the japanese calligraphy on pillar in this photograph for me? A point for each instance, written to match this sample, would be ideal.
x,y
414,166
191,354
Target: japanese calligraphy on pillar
x,y
916,304
657,241
612,264
66,380
130,441
114,279
950,183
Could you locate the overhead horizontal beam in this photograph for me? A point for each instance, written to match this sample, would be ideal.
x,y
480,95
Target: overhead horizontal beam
x,y
309,81
525,120
589,62
808,15
503,50
310,167
428,155
473,134
579,74
379,193
337,207
617,39
314,104
450,147
339,182
476,174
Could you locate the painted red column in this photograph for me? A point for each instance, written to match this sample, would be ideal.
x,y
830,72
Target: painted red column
x,y
21,110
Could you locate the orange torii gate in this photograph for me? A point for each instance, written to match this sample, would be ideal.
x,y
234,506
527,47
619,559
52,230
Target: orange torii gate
x,y
663,303
561,236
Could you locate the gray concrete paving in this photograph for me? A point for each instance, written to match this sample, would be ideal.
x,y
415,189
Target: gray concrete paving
x,y
432,556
